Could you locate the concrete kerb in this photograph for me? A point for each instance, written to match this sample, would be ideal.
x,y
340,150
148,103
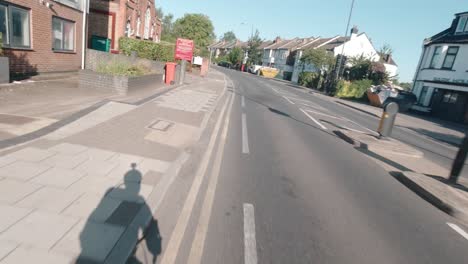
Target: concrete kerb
x,y
127,242
444,203
29,137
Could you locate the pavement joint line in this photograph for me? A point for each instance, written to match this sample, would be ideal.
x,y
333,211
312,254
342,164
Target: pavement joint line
x,y
29,194
177,235
313,119
245,136
458,230
250,244
198,243
19,220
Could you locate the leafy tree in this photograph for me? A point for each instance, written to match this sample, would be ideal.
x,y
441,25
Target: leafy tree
x,y
319,58
235,56
167,26
253,48
197,27
363,68
386,49
229,36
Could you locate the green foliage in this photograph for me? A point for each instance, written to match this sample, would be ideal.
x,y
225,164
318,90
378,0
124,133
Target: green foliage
x,y
121,68
197,27
363,68
254,52
167,23
229,36
235,56
309,79
147,49
405,85
319,58
355,89
386,49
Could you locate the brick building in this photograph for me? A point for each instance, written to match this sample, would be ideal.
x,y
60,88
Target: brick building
x,y
114,19
42,35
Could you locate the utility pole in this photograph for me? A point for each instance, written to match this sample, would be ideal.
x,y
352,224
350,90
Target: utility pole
x,y
340,59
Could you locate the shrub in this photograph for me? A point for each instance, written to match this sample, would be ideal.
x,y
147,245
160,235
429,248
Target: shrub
x,y
147,49
122,69
355,89
309,79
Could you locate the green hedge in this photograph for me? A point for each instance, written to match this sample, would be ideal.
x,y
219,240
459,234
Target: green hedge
x,y
354,89
309,79
147,49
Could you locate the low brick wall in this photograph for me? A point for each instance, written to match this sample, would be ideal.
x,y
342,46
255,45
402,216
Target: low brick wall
x,y
119,84
95,57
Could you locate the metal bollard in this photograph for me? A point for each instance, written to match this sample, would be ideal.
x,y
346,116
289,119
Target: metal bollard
x,y
388,120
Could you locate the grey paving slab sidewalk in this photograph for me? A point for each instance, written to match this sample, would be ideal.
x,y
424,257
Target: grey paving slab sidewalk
x,y
75,193
29,106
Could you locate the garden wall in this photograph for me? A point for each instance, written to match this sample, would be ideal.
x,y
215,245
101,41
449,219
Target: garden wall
x,y
94,58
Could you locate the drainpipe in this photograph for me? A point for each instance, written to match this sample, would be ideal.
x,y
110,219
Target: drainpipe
x,y
83,36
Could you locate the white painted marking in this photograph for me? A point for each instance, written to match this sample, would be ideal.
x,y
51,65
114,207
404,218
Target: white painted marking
x,y
196,251
245,136
320,113
250,244
458,230
274,90
313,119
287,99
243,102
173,245
370,130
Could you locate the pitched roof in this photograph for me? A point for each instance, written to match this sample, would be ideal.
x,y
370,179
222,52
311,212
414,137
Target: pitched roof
x,y
335,43
265,44
448,35
387,60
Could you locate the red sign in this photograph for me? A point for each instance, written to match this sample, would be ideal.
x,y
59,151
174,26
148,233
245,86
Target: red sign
x,y
184,49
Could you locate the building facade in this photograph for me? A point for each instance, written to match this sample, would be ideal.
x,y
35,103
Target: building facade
x,y
42,35
441,79
113,19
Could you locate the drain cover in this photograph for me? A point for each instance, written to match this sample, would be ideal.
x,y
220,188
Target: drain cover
x,y
161,125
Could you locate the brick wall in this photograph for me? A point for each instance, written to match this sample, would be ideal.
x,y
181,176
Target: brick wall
x,y
41,58
121,85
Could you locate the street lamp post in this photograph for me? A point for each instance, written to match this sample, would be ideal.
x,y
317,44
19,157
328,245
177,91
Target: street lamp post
x,y
340,59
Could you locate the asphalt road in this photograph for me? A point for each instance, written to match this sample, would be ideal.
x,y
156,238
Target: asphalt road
x,y
290,191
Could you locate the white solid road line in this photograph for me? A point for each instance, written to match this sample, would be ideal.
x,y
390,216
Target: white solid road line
x,y
196,251
250,244
313,119
287,99
243,101
458,230
172,248
245,136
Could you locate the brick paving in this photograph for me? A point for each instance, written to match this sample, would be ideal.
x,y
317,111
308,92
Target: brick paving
x,y
72,194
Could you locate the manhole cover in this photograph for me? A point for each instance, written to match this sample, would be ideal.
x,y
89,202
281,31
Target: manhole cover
x,y
161,125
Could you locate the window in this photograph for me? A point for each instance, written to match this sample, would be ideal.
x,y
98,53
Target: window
x,y
422,95
450,97
450,58
146,32
435,57
63,34
14,26
462,25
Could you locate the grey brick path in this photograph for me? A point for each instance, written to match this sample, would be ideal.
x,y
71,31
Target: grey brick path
x,y
73,193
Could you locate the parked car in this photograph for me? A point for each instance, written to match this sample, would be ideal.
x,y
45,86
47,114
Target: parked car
x,y
254,68
404,99
225,64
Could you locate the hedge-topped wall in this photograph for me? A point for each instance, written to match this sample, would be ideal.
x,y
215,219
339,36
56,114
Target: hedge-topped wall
x,y
147,49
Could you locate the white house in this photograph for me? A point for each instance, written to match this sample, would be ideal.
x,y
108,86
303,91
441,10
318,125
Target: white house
x,y
353,46
441,79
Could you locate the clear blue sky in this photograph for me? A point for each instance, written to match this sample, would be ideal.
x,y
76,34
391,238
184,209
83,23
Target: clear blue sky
x,y
403,24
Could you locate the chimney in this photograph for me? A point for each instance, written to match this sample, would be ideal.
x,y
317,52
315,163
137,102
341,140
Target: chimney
x,y
354,32
277,39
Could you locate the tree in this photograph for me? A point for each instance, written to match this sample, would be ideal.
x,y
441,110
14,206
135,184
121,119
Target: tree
x,y
363,68
253,48
229,36
235,56
322,60
197,27
167,25
386,49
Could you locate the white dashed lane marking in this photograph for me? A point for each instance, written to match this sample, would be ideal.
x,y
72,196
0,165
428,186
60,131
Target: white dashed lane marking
x,y
250,244
458,230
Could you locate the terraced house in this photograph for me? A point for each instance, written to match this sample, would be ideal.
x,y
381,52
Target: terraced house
x,y
441,80
42,36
